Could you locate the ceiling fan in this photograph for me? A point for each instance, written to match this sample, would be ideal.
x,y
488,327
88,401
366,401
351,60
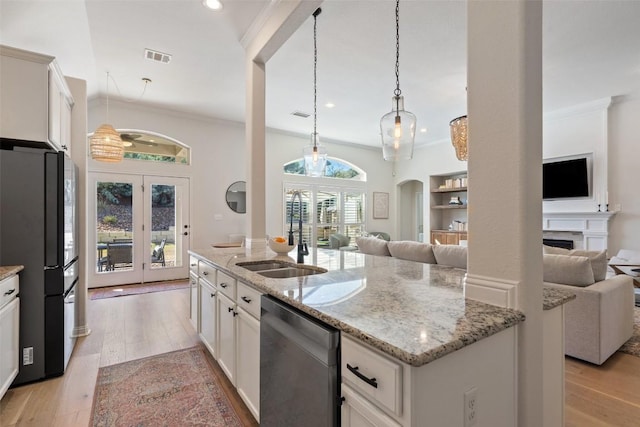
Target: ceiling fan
x,y
130,139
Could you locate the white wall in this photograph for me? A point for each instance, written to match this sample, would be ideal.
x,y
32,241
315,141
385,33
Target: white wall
x,y
605,128
218,159
624,173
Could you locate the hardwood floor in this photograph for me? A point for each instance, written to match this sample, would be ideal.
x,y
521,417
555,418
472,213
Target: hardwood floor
x,y
122,329
136,326
606,395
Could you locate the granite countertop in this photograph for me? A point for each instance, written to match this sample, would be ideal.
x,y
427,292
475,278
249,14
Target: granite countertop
x,y
9,270
552,297
412,311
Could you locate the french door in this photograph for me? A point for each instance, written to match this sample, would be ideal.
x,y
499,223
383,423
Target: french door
x,y
139,228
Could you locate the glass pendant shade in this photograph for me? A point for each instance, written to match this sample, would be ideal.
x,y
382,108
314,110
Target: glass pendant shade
x,y
315,157
459,137
106,144
398,130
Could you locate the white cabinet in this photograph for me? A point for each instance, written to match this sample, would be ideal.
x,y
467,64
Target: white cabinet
x,y
227,336
248,361
36,99
358,412
9,332
248,348
193,301
208,316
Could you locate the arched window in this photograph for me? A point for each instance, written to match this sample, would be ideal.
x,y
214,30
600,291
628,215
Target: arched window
x,y
153,147
333,206
336,168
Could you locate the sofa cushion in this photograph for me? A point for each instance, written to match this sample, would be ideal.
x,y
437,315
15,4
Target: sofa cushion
x,y
598,259
567,270
451,255
372,246
412,251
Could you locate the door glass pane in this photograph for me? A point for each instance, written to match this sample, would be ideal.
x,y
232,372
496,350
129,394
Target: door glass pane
x,y
163,226
114,226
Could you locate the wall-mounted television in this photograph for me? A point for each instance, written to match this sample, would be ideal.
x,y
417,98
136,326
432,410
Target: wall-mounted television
x,y
565,179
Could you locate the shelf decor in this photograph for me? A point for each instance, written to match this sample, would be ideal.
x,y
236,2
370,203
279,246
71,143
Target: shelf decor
x,y
380,205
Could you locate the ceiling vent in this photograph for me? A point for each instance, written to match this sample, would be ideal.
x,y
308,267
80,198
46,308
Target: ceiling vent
x,y
300,114
154,55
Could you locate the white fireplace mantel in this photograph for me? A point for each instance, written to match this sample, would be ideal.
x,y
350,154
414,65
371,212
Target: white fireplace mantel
x,y
593,226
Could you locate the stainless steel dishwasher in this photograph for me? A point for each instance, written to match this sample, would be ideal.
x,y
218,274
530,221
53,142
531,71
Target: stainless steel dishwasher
x,y
299,368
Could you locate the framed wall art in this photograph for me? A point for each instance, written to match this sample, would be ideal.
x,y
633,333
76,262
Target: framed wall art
x,y
380,205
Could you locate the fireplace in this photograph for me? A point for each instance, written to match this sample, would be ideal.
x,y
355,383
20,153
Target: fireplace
x,y
558,243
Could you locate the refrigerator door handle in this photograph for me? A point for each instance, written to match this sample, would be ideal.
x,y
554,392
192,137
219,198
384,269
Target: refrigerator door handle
x,y
51,267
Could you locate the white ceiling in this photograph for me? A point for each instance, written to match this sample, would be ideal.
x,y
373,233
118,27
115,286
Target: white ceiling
x,y
591,51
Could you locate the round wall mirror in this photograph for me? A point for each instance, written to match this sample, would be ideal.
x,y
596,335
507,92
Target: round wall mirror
x,y
237,197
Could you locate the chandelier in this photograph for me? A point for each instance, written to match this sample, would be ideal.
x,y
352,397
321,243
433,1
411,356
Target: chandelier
x,y
105,143
458,128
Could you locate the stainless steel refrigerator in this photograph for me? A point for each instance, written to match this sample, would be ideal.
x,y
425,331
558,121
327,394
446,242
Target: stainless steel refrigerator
x,y
38,229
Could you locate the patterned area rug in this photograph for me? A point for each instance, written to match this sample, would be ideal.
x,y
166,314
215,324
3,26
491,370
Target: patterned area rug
x,y
633,345
119,291
171,389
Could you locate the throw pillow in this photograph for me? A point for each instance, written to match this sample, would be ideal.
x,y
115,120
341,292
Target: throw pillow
x,y
451,255
372,246
598,259
567,270
412,251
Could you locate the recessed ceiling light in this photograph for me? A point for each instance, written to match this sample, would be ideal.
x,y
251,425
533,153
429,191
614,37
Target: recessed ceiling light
x,y
212,4
329,105
423,130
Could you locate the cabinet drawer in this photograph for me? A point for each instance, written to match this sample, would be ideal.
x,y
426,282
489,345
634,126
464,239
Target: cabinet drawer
x,y
373,375
9,288
193,264
207,272
249,299
226,284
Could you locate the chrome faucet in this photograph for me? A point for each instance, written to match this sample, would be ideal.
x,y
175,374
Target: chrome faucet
x,y
302,247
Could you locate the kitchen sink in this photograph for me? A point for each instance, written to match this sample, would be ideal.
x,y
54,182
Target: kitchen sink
x,y
284,273
263,265
280,270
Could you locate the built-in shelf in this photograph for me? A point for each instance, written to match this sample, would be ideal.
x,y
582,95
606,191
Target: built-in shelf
x,y
449,231
449,207
449,190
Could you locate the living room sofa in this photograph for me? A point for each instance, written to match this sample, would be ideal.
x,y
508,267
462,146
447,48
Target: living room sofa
x,y
597,323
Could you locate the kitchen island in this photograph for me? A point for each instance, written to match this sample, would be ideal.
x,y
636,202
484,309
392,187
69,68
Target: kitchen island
x,y
411,317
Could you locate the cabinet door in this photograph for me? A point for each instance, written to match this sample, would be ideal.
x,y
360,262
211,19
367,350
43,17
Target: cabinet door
x,y
193,302
359,412
227,336
248,358
9,352
451,238
208,317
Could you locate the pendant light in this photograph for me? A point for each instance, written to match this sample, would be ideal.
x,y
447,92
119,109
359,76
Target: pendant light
x,y
398,127
106,144
458,128
315,156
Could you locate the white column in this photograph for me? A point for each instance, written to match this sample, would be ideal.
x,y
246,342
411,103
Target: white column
x,y
505,176
255,145
79,155
269,31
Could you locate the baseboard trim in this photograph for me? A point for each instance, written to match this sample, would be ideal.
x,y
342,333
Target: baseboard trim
x,y
491,290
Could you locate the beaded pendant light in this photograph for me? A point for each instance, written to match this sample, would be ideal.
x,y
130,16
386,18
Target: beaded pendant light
x,y
458,127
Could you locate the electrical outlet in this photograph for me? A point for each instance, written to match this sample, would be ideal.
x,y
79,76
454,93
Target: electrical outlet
x,y
471,407
27,356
